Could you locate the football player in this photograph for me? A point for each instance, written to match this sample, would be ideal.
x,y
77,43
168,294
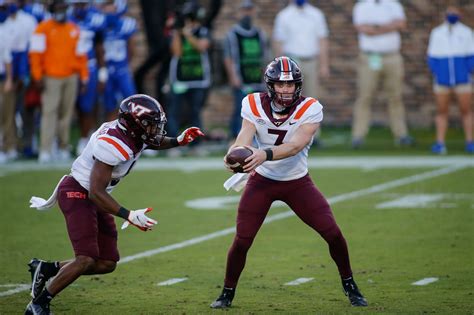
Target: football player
x,y
85,200
91,24
283,123
119,47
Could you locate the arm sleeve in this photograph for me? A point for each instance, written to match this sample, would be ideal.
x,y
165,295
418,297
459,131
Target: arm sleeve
x,y
314,115
323,30
110,151
37,49
278,29
245,111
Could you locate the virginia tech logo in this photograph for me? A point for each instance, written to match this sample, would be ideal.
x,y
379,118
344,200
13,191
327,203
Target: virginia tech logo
x,y
138,109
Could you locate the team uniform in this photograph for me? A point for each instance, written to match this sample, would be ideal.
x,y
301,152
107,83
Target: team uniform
x,y
279,117
286,180
90,28
92,232
119,83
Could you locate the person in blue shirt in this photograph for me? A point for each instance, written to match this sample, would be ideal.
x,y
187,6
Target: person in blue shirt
x,y
118,48
451,61
91,23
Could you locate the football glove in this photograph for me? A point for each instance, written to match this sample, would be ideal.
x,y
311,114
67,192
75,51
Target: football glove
x,y
189,135
140,220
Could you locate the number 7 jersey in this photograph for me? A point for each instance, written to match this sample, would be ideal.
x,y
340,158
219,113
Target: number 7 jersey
x,y
272,132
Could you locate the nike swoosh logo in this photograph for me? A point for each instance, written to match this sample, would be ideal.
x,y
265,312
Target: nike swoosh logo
x,y
292,122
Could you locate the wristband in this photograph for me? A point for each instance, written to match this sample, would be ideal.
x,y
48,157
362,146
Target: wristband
x,y
269,153
123,213
174,142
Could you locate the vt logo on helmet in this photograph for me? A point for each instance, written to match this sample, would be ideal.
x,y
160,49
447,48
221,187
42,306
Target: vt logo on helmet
x,y
143,118
283,69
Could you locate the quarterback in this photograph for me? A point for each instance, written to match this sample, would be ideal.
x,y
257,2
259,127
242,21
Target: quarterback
x,y
85,200
283,123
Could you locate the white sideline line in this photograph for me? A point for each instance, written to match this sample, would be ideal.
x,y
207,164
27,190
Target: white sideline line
x,y
172,281
201,164
299,281
18,288
425,281
283,215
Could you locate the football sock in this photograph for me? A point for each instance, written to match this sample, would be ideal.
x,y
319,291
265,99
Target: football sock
x,y
43,298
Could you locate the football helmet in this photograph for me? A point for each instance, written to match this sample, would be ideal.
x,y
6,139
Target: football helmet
x,y
283,69
143,117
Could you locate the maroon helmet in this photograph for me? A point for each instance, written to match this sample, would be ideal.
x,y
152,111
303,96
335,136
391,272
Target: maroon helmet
x,y
143,118
283,69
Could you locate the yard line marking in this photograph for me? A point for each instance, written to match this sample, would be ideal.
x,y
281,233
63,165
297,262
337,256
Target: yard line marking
x,y
299,281
18,288
411,201
284,215
425,281
172,281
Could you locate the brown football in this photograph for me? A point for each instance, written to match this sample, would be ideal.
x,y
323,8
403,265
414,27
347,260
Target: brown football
x,y
236,157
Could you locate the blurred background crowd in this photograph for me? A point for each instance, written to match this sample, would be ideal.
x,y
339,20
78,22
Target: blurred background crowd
x,y
65,65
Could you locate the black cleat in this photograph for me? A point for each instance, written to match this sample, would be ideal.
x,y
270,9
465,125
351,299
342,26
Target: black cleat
x,y
37,309
352,292
225,299
38,276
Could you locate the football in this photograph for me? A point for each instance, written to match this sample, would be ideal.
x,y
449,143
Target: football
x,y
236,158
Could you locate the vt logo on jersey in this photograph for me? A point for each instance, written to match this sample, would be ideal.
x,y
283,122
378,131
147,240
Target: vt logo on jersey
x,y
138,109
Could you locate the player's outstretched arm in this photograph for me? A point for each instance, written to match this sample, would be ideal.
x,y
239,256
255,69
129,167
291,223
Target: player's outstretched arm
x,y
185,138
303,135
101,176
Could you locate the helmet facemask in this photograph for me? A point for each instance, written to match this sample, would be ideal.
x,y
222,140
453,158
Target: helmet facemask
x,y
283,69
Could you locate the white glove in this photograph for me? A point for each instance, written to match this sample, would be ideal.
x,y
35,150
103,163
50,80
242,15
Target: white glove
x,y
140,220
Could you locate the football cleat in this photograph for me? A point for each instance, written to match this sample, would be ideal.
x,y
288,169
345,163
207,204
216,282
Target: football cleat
x,y
37,309
225,299
352,292
38,276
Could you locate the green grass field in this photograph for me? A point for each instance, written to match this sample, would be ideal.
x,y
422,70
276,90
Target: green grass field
x,y
401,227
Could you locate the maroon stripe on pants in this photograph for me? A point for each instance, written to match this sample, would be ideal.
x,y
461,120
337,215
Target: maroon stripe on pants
x,y
302,196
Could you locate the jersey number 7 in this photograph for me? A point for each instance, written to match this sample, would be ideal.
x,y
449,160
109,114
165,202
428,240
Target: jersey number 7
x,y
280,133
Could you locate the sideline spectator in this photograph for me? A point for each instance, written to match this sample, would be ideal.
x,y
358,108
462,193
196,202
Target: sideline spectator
x,y
7,95
378,23
301,32
451,60
245,54
119,46
21,26
56,60
190,73
91,24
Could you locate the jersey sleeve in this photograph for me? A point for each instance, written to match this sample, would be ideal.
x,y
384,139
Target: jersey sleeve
x,y
314,114
111,150
129,27
245,111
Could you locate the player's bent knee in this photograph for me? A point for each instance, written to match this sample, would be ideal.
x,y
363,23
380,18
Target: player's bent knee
x,y
86,263
107,266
